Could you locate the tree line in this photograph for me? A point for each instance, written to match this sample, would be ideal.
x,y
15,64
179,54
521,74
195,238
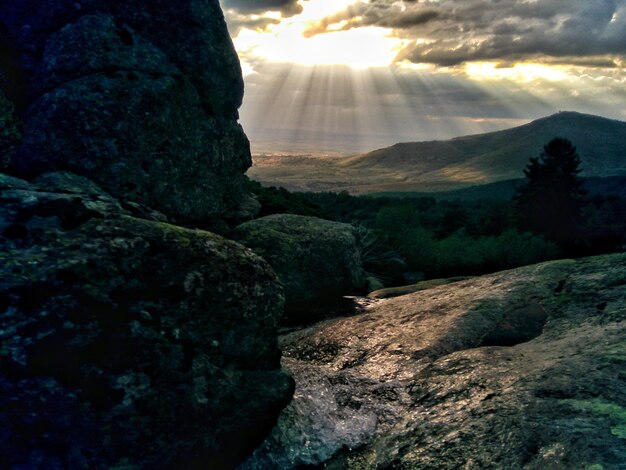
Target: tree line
x,y
409,239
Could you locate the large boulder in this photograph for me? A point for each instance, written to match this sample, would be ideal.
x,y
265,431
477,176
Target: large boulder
x,y
9,130
318,261
139,95
522,369
127,342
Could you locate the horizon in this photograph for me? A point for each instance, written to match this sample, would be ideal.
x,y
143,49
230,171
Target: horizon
x,y
337,152
349,76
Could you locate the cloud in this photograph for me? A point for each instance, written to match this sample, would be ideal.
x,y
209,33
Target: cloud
x,y
377,13
251,14
236,21
286,7
451,32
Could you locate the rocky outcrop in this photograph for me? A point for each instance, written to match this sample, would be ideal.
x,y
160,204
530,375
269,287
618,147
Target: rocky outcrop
x,y
140,96
9,130
520,369
127,342
318,261
388,292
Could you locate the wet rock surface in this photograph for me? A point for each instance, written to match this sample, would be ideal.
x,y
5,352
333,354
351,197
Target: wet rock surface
x,y
519,369
140,96
127,342
318,261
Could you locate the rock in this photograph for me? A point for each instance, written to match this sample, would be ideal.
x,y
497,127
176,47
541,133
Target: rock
x,y
373,284
386,293
139,95
249,207
520,369
127,342
318,261
10,134
8,182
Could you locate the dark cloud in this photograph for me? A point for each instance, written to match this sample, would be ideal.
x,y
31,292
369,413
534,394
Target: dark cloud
x,y
286,7
237,21
376,13
450,32
245,13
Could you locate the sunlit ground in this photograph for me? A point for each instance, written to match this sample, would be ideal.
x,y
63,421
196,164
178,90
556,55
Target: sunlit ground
x,y
346,91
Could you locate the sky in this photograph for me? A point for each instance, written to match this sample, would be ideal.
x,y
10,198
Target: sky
x,y
345,76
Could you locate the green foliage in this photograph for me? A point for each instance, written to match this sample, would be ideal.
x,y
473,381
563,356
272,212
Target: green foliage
x,y
511,249
405,240
550,201
426,238
9,130
604,225
280,201
613,411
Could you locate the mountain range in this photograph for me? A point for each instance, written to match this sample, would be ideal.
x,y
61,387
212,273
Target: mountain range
x,y
452,164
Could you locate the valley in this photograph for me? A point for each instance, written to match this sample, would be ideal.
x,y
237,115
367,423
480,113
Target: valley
x,y
451,164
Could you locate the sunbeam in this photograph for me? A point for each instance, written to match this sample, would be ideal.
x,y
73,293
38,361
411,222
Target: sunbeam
x,y
344,77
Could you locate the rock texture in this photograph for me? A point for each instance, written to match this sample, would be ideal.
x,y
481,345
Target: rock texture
x,y
139,95
127,342
388,292
9,130
523,369
318,261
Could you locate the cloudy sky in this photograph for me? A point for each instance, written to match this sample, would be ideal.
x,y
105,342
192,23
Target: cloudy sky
x,y
345,76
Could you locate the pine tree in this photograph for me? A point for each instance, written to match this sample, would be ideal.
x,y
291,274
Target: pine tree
x,y
551,199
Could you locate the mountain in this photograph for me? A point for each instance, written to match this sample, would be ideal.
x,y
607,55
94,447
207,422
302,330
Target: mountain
x,y
455,163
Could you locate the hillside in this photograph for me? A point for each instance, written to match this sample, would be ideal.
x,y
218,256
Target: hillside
x,y
455,163
505,190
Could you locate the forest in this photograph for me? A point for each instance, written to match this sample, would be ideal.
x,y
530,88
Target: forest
x,y
408,239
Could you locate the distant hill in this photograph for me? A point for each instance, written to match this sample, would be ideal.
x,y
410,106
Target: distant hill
x,y
505,190
455,163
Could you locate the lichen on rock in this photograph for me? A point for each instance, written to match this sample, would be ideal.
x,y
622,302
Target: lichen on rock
x,y
519,369
126,340
10,130
140,96
318,261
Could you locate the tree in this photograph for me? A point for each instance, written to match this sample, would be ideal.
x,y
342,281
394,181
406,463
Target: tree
x,y
551,199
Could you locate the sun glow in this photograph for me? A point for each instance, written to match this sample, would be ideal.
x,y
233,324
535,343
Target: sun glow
x,y
357,48
316,83
287,42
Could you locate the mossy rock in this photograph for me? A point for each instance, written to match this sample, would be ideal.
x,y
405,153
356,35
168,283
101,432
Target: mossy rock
x,y
127,342
318,261
519,369
388,292
140,97
10,130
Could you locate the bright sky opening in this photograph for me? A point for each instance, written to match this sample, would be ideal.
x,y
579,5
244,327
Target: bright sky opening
x,y
359,74
287,41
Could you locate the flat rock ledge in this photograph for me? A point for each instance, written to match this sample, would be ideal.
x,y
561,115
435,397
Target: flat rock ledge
x,y
522,369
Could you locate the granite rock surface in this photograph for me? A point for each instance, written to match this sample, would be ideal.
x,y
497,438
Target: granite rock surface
x,y
520,369
128,342
140,96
